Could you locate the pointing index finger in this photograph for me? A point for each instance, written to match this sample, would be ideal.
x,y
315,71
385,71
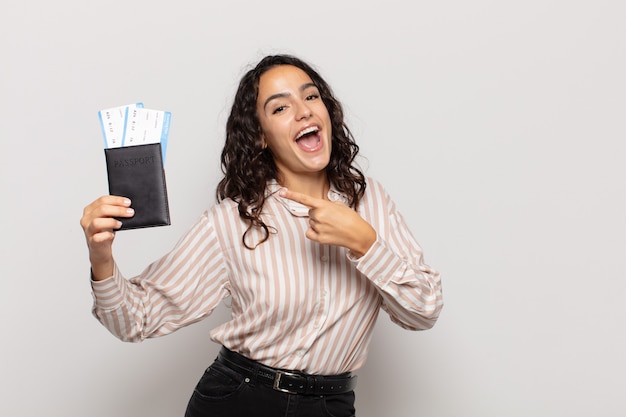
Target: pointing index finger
x,y
307,200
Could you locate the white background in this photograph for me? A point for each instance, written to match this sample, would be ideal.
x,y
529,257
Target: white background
x,y
497,126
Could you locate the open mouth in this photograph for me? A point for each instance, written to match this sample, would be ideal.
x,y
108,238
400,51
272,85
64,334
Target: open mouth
x,y
309,139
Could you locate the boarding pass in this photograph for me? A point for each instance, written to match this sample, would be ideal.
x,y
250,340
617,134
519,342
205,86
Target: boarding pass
x,y
132,124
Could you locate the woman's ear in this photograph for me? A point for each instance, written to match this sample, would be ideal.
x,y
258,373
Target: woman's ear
x,y
263,142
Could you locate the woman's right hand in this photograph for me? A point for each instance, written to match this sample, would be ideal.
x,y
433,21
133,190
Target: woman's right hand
x,y
99,224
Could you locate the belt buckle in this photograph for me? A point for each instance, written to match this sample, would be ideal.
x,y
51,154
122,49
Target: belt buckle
x,y
278,377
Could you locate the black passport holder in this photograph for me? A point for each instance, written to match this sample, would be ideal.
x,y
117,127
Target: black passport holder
x,y
137,172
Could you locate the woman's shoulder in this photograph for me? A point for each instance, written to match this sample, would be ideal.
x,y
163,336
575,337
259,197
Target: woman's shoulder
x,y
216,213
373,182
221,217
222,207
375,187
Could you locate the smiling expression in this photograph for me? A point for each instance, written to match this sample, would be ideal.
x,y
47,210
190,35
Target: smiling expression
x,y
295,122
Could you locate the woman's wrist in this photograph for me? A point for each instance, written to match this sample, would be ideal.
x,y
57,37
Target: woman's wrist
x,y
102,269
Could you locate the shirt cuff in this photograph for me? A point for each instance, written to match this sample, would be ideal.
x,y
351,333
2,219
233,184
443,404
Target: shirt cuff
x,y
109,293
378,264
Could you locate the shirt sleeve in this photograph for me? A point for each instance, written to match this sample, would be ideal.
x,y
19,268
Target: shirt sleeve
x,y
181,288
410,289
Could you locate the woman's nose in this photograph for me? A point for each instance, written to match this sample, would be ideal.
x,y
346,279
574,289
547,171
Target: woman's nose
x,y
304,112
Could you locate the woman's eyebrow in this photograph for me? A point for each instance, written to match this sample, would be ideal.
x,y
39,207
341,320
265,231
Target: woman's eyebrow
x,y
303,87
307,85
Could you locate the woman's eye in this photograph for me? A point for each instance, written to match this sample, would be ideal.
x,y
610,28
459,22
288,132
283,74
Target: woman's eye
x,y
312,96
278,109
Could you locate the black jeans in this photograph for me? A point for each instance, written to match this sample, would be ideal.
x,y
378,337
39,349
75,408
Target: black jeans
x,y
223,392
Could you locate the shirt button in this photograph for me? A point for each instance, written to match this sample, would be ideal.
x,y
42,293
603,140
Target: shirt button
x,y
324,258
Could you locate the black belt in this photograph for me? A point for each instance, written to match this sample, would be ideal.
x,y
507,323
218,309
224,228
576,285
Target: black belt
x,y
288,381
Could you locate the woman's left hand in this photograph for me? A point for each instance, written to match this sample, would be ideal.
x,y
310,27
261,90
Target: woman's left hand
x,y
334,223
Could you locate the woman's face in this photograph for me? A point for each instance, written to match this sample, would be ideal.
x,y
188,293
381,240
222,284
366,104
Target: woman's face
x,y
295,122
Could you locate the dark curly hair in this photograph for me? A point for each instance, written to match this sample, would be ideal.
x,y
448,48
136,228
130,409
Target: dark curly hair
x,y
248,165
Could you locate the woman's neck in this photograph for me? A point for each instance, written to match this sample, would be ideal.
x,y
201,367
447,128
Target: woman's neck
x,y
316,185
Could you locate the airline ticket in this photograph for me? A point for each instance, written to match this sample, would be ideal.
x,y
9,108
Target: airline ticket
x,y
132,124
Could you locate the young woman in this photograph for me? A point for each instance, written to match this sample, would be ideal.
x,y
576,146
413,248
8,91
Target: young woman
x,y
308,249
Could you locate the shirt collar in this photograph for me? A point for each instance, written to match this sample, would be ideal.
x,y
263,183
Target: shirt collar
x,y
295,208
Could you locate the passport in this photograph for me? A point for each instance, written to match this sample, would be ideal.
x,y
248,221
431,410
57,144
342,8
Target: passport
x,y
137,172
